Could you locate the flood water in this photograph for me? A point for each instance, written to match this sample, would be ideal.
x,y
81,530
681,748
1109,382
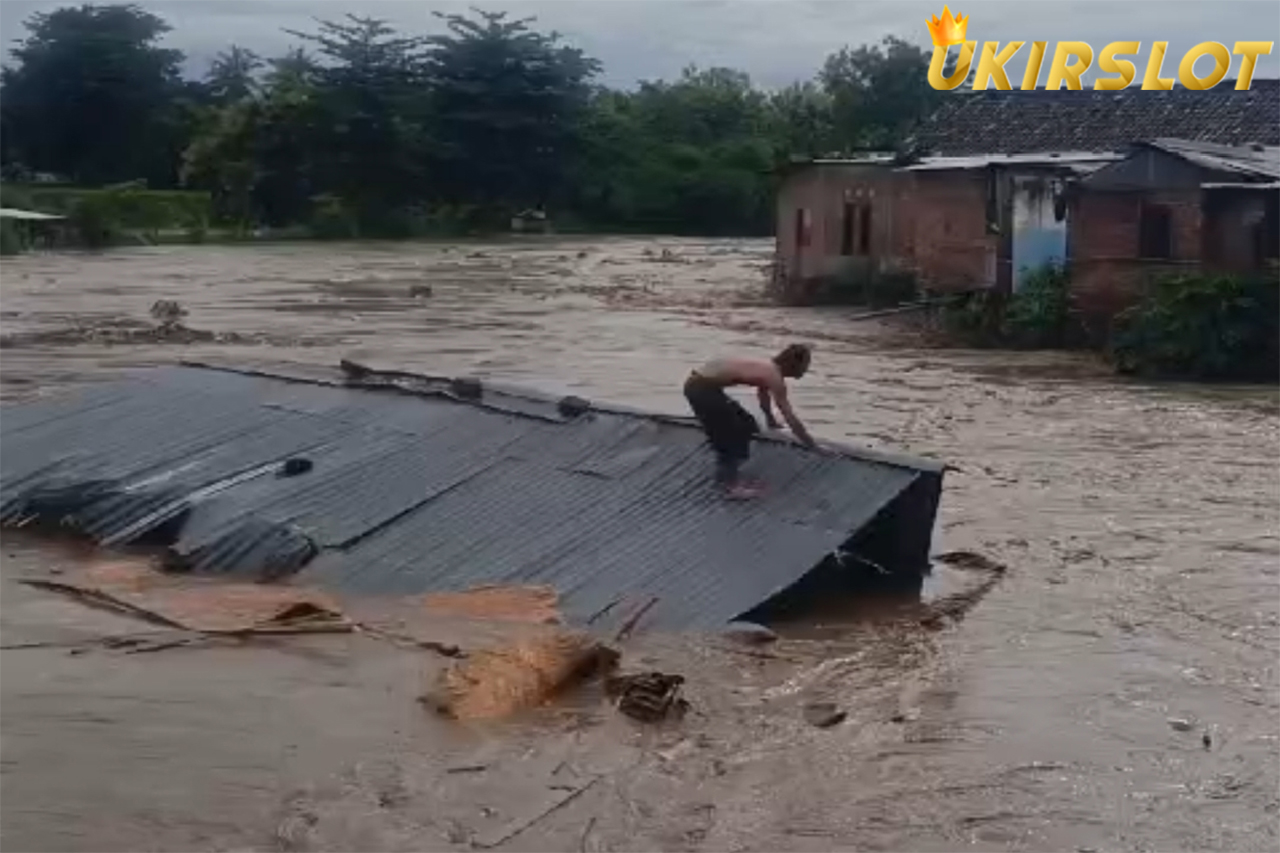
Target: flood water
x,y
1116,690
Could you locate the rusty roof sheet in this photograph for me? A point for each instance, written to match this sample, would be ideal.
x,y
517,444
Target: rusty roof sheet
x,y
428,490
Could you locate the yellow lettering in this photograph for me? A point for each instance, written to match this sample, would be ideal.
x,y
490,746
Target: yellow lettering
x,y
1107,62
939,61
1221,65
1152,81
1034,62
1250,50
991,65
1060,71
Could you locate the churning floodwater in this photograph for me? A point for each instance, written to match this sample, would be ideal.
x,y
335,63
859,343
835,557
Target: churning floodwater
x,y
1117,689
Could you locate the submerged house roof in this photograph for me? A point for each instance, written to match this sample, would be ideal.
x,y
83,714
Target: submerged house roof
x,y
1013,122
446,485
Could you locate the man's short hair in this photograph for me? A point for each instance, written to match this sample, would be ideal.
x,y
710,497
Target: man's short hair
x,y
796,356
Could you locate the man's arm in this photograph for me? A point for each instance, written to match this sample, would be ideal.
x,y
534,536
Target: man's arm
x,y
779,391
766,406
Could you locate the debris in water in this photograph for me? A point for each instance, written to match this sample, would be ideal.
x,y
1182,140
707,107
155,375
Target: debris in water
x,y
168,311
648,696
215,608
824,715
495,683
538,604
1180,725
420,291
295,466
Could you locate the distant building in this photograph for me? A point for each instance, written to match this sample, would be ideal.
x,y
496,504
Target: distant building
x,y
1172,206
997,185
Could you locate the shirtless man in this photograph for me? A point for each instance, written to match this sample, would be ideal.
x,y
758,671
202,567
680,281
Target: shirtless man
x,y
730,427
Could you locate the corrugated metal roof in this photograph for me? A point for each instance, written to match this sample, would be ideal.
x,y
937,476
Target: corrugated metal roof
x,y
418,492
1260,161
15,213
1076,161
1273,185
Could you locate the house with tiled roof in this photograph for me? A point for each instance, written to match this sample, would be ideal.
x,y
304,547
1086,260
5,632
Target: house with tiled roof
x,y
991,191
1016,122
1172,206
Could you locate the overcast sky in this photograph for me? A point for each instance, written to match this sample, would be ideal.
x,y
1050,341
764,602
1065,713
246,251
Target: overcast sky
x,y
775,41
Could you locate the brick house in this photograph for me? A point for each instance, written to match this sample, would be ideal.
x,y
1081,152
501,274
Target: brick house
x,y
1172,206
835,219
983,198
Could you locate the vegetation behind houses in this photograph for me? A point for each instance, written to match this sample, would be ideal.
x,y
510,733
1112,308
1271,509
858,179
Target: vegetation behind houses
x,y
361,130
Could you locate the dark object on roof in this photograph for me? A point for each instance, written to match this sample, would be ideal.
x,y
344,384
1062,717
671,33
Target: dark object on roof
x,y
418,491
1018,122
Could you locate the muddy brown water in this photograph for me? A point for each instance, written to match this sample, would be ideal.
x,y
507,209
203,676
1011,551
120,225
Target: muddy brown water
x,y
1067,709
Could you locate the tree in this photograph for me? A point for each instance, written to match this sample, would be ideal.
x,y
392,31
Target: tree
x,y
231,77
92,96
369,133
878,92
802,121
507,104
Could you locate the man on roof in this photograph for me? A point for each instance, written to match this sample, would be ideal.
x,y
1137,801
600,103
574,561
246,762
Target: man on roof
x,y
729,427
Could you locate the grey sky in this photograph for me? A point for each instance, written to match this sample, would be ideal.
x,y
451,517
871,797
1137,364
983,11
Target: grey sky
x,y
775,41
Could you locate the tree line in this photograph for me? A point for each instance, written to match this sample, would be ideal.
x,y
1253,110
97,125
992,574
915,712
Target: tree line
x,y
364,130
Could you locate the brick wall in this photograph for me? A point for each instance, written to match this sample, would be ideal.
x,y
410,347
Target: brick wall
x,y
822,192
1107,274
943,217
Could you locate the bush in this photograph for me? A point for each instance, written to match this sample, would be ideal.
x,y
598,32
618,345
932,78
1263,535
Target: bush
x,y
1037,315
1203,327
128,207
977,318
12,241
332,220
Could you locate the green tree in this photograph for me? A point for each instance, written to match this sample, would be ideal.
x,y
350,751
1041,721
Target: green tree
x,y
368,136
878,92
507,105
232,75
92,96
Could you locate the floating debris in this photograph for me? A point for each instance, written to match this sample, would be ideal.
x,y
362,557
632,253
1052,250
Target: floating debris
x,y
648,696
824,715
494,683
168,310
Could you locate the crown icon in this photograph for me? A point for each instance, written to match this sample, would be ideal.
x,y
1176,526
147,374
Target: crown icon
x,y
947,30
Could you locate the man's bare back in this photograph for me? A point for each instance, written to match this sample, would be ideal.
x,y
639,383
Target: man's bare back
x,y
769,380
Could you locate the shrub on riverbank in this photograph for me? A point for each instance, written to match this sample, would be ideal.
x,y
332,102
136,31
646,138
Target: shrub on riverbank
x,y
1203,327
1036,317
103,216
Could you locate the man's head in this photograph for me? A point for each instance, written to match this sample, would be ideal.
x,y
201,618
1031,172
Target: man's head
x,y
793,362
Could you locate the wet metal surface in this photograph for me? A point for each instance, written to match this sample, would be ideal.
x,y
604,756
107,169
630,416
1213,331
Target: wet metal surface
x,y
412,494
1138,525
